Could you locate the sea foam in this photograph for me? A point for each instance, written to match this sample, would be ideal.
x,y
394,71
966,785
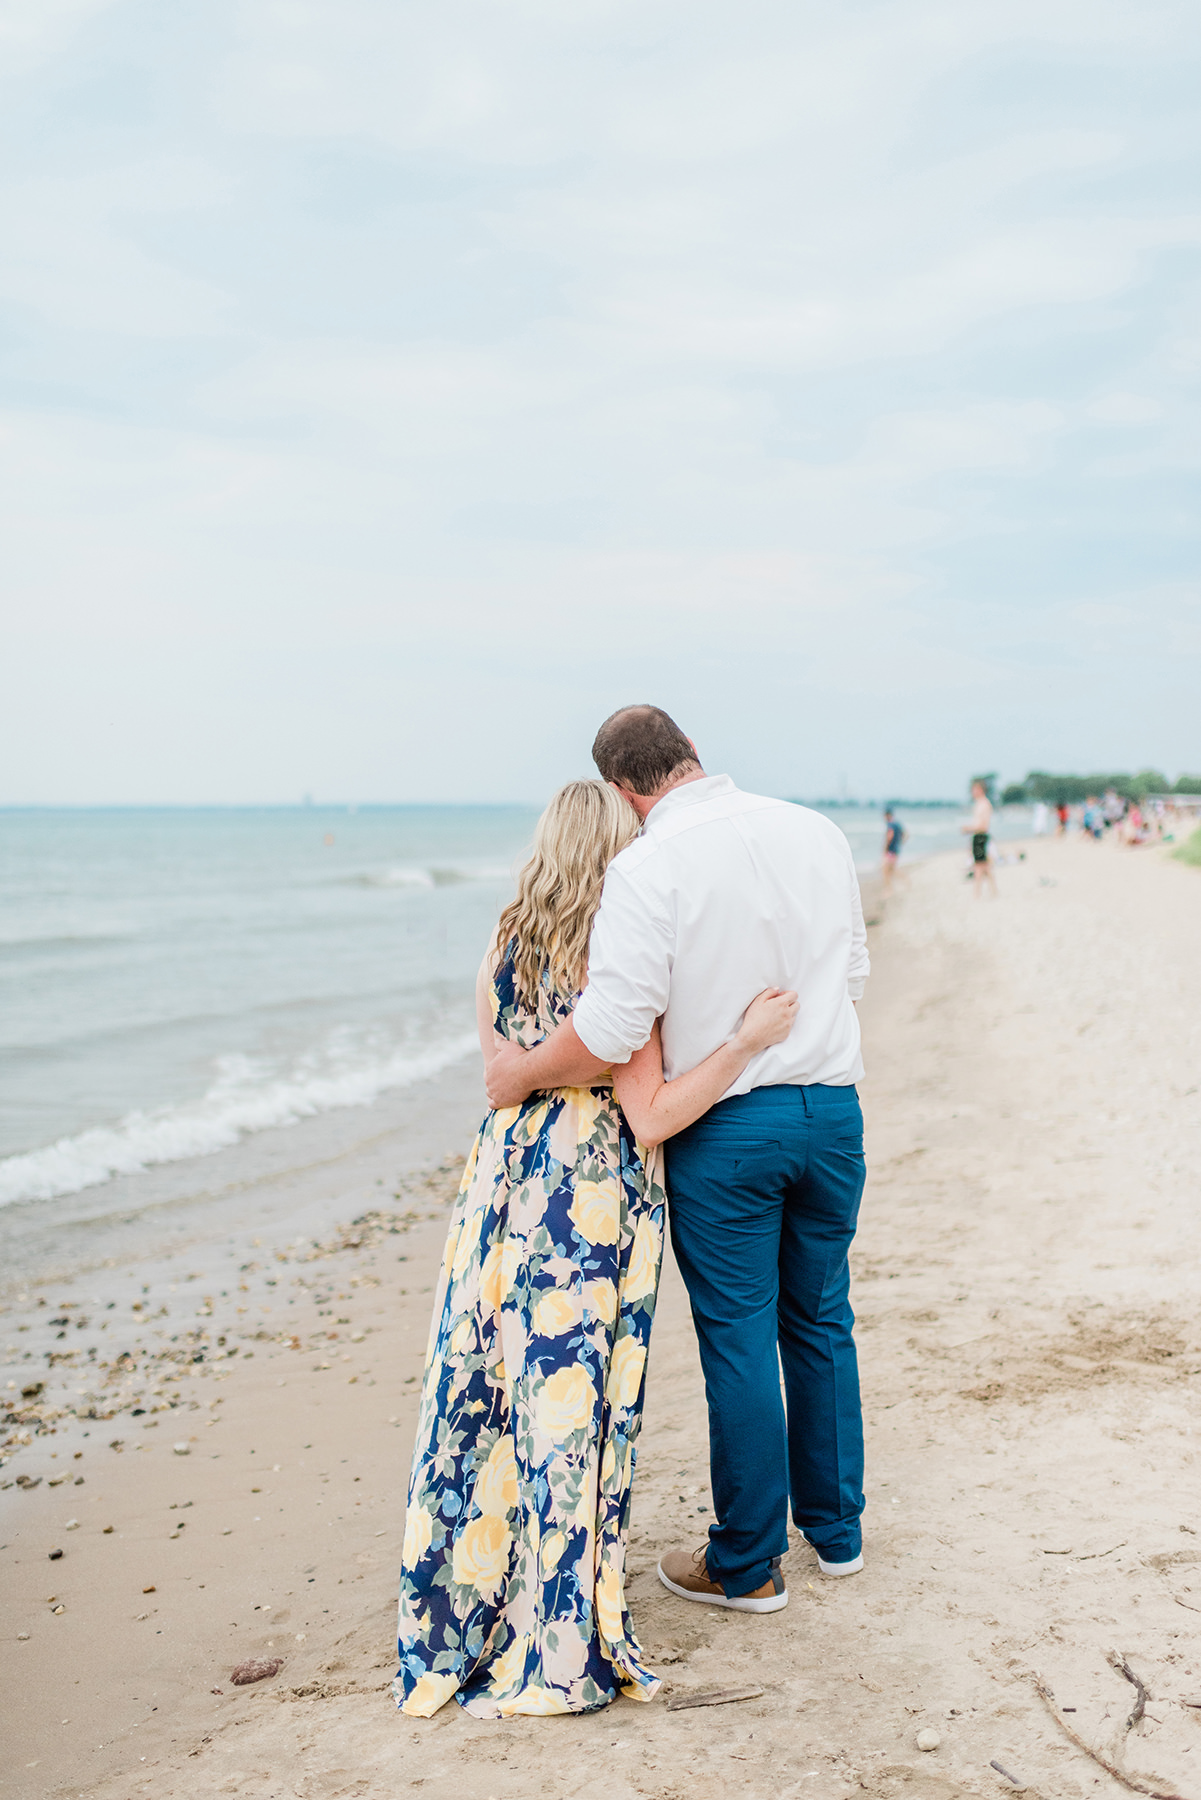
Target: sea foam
x,y
245,1098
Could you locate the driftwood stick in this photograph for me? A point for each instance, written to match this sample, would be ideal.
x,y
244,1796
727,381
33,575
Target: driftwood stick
x,y
1128,1781
1118,1662
721,1697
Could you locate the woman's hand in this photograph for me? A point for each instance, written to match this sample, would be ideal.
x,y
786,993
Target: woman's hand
x,y
506,1078
767,1020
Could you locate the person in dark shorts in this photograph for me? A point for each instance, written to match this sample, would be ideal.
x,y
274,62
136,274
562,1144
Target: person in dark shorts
x,y
894,837
980,826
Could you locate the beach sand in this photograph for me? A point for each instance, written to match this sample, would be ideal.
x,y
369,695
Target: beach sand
x,y
1030,1344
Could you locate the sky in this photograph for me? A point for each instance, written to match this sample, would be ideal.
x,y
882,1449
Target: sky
x,y
389,389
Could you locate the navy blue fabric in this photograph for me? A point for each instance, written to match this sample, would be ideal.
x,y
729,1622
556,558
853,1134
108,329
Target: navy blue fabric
x,y
763,1198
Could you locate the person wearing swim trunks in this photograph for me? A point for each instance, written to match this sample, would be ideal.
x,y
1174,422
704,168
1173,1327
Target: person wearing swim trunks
x,y
894,837
980,827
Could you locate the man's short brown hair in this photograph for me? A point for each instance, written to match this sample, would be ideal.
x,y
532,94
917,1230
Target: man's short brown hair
x,y
641,748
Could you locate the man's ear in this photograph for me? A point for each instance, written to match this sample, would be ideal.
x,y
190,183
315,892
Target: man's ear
x,y
695,751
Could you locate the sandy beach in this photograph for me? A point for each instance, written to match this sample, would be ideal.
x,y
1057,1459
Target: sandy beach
x,y
222,1436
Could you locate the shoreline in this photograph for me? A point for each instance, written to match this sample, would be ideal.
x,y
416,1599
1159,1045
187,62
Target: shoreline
x,y
1024,1280
186,1126
174,1204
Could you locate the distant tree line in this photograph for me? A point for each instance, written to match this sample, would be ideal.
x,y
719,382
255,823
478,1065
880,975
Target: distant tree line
x,y
1069,790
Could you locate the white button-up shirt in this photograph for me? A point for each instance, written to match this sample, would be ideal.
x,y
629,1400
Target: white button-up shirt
x,y
722,895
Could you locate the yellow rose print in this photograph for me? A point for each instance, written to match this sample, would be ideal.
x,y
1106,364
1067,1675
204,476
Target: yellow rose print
x,y
642,1271
609,1604
596,1210
490,1294
509,1666
511,1255
564,1402
481,1554
625,1371
495,1490
461,1336
419,1535
608,1464
465,1249
553,1546
588,1108
540,1702
556,1313
428,1694
600,1300
534,1120
585,1512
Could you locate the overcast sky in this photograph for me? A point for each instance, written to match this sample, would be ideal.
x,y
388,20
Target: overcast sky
x,y
391,389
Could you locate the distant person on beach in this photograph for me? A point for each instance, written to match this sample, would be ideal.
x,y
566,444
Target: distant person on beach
x,y
1062,813
980,826
1041,822
894,837
722,893
512,1587
1135,831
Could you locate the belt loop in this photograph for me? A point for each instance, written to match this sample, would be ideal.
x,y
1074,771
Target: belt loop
x,y
805,1102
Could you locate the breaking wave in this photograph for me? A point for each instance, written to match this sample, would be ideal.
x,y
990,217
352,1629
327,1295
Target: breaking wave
x,y
246,1097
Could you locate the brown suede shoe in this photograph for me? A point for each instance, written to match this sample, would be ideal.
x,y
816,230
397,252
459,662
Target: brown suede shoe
x,y
686,1573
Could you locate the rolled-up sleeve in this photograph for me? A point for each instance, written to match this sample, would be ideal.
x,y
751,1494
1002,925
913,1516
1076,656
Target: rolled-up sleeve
x,y
860,965
629,971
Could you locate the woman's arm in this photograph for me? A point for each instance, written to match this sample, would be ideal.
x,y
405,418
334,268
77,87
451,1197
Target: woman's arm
x,y
490,1041
657,1109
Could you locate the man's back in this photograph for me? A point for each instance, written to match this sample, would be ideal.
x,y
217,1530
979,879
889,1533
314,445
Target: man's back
x,y
724,894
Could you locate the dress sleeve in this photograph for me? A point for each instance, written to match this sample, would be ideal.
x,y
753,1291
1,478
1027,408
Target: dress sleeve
x,y
629,971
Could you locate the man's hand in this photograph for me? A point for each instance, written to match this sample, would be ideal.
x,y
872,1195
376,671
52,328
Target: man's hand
x,y
506,1080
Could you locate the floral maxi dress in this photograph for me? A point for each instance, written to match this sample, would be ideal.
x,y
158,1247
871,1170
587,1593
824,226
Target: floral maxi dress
x,y
512,1587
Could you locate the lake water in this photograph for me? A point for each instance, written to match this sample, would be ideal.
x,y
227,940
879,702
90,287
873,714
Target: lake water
x,y
171,980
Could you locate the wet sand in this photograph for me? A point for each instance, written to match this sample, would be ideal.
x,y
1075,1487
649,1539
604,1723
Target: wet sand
x,y
1025,1280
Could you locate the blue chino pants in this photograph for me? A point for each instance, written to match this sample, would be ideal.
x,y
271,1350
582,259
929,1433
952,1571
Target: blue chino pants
x,y
763,1194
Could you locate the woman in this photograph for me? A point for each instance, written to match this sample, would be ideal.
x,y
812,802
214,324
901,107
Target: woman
x,y
512,1591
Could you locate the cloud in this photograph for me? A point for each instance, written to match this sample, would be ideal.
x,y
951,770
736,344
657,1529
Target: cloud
x,y
836,356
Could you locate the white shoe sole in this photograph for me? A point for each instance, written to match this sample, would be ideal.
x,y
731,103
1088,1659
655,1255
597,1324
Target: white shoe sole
x,y
843,1568
735,1603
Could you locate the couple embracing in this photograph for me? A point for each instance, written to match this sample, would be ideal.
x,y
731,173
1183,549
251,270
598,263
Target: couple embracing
x,y
668,1005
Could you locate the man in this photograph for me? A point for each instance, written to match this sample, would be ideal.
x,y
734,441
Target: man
x,y
980,827
722,895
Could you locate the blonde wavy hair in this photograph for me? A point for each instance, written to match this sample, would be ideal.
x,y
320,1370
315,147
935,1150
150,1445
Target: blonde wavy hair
x,y
559,889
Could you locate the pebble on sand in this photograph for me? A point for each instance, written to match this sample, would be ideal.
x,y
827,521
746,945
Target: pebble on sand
x,y
247,1672
54,1555
182,1449
928,1740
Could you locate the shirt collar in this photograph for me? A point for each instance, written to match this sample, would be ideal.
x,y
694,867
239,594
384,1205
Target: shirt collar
x,y
689,793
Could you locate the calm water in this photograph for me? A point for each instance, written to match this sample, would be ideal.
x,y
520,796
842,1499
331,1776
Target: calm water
x,y
171,980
